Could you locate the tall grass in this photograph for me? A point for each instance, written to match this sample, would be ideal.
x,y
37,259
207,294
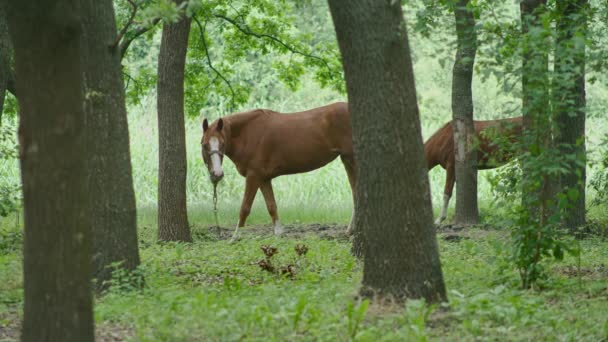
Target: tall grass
x,y
324,194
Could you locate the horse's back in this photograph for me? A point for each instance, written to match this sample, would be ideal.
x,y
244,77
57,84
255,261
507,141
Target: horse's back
x,y
303,141
439,148
330,124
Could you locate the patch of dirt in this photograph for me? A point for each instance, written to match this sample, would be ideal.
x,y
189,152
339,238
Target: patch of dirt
x,y
593,229
329,231
457,233
113,332
594,272
10,329
10,325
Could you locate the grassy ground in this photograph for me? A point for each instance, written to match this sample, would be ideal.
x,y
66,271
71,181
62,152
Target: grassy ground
x,y
212,290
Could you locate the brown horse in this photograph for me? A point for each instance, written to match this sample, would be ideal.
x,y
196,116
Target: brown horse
x,y
439,150
264,144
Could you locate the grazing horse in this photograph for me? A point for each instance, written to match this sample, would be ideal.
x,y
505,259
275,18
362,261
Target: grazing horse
x,y
264,144
439,150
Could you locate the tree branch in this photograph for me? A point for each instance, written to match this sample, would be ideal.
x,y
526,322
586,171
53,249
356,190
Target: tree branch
x,y
126,42
218,74
126,27
246,30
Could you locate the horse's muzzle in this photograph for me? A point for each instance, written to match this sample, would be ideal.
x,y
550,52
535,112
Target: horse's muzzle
x,y
216,178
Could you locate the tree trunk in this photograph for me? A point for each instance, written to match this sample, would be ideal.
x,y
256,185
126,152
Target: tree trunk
x,y
569,104
465,142
113,211
535,104
46,37
5,57
172,168
394,208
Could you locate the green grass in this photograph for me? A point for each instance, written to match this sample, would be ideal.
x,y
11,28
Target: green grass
x,y
214,291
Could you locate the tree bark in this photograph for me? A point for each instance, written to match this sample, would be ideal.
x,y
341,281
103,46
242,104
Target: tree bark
x,y
465,150
172,168
5,57
570,102
113,211
46,36
394,207
535,103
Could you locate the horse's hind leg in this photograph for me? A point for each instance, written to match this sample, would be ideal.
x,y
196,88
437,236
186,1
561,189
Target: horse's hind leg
x,y
271,205
349,165
251,188
450,178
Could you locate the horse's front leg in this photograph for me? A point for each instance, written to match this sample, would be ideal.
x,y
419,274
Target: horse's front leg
x,y
271,205
450,179
251,188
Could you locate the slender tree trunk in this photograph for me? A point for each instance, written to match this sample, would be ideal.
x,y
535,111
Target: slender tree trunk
x,y
113,212
46,37
5,56
465,143
172,168
569,95
535,103
394,211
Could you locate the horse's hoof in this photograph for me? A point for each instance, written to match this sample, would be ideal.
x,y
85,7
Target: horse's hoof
x,y
278,230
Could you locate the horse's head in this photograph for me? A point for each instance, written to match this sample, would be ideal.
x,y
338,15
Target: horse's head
x,y
213,148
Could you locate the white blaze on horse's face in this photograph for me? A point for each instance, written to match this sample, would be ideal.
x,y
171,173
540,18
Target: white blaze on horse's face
x,y
216,162
213,145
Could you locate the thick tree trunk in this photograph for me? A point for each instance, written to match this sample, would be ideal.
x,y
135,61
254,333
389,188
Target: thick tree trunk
x,y
172,168
465,150
394,207
535,103
570,102
113,212
46,37
5,56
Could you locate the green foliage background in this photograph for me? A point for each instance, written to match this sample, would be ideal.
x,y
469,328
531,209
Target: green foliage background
x,y
264,76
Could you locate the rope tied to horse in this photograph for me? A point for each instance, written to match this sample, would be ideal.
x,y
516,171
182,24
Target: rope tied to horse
x,y
217,223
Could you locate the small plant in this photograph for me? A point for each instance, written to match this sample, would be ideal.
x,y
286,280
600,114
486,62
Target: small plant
x,y
416,314
287,270
299,312
10,241
301,249
355,316
269,251
266,265
124,280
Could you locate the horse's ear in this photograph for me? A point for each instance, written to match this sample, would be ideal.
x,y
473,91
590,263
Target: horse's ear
x,y
220,124
205,125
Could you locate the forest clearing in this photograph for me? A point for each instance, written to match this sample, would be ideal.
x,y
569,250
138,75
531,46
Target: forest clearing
x,y
341,170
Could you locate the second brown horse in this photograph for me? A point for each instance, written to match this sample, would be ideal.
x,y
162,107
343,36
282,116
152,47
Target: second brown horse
x,y
439,150
264,144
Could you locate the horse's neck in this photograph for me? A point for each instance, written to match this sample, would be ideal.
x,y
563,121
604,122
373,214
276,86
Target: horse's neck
x,y
237,127
431,161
